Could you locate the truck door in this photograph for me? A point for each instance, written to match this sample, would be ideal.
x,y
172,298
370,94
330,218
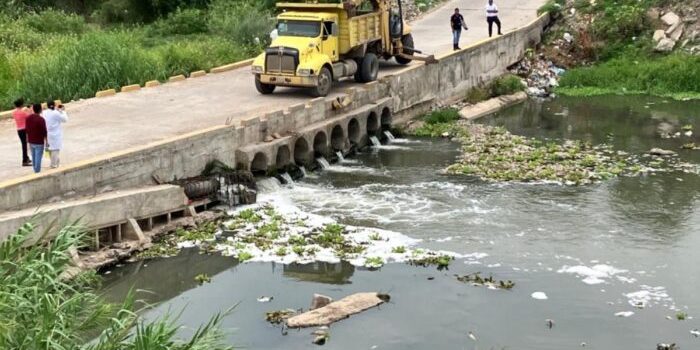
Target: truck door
x,y
330,40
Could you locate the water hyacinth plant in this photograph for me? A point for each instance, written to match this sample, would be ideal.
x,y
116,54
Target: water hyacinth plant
x,y
41,308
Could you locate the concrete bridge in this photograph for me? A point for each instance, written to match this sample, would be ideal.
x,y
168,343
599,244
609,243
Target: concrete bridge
x,y
118,193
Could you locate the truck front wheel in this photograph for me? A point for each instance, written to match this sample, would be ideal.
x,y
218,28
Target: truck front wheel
x,y
407,42
368,69
263,88
325,82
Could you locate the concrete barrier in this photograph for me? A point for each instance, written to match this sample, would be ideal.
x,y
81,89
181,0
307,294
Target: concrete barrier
x,y
130,88
232,66
197,74
106,93
152,83
176,78
408,93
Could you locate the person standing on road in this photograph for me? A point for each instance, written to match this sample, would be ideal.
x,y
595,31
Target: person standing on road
x,y
36,136
54,118
20,115
492,17
457,23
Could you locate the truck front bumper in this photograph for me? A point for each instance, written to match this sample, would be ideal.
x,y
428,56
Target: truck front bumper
x,y
288,80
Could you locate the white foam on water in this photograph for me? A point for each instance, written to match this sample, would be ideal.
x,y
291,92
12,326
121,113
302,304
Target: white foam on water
x,y
624,313
539,296
648,296
405,141
391,147
596,274
287,178
350,169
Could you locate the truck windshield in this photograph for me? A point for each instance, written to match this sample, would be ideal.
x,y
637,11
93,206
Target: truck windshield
x,y
299,28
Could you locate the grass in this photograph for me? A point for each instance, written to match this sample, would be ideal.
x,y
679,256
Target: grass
x,y
676,75
51,54
41,309
438,122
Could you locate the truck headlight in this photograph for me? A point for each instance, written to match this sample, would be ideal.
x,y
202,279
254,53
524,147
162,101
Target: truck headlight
x,y
258,69
305,72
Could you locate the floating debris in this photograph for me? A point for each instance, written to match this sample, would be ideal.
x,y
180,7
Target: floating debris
x,y
279,316
432,259
624,314
264,299
549,322
681,316
695,332
321,335
494,154
202,278
476,280
337,310
664,346
472,336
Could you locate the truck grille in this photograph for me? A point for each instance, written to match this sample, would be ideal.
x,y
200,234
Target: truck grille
x,y
281,60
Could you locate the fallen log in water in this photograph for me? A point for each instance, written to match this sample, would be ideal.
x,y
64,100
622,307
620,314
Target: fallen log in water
x,y
337,310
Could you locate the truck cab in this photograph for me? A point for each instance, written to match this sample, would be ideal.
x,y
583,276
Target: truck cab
x,y
305,44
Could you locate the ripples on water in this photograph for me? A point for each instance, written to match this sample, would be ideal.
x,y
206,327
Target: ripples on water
x,y
596,251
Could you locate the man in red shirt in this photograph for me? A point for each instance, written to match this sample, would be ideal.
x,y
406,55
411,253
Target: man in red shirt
x,y
20,114
36,136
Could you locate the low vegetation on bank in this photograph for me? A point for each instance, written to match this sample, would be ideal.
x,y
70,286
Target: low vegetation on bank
x,y
625,47
41,308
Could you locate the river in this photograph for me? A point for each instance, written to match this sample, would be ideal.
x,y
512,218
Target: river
x,y
625,247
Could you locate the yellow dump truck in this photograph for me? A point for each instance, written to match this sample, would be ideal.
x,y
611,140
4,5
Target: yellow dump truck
x,y
319,43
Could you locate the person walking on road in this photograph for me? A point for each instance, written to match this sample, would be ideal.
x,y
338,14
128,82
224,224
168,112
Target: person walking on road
x,y
492,17
457,23
54,118
20,115
36,136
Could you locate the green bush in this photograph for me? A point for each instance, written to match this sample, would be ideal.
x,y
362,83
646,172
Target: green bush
x,y
673,74
182,22
240,22
476,95
620,22
16,35
55,21
553,7
79,68
506,85
446,115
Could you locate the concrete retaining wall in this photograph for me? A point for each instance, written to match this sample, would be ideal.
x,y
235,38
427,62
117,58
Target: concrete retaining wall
x,y
404,94
109,209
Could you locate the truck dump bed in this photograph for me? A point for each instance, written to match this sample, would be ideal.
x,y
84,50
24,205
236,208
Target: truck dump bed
x,y
354,31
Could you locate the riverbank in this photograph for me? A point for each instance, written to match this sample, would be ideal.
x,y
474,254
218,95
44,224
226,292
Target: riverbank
x,y
632,47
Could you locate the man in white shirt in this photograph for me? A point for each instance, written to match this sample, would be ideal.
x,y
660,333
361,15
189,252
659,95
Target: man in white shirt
x,y
54,118
492,17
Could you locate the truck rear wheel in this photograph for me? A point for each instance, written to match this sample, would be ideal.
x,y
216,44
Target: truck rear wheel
x,y
368,69
263,88
407,42
325,82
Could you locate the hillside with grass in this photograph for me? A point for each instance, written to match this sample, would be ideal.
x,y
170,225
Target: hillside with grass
x,y
626,46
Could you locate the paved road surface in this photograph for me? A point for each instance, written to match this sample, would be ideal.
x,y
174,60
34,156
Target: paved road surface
x,y
100,126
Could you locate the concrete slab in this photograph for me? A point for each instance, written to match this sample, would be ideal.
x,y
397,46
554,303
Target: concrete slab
x,y
98,211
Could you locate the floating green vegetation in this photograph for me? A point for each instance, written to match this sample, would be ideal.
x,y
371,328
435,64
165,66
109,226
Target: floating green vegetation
x,y
476,279
244,256
681,316
494,154
438,122
398,250
689,145
299,250
374,262
203,232
164,248
202,278
441,261
331,234
279,316
249,215
375,237
687,127
281,251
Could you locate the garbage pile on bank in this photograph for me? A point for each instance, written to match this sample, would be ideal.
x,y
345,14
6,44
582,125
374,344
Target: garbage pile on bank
x,y
540,75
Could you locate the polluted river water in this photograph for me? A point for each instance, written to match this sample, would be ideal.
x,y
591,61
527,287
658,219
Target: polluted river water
x,y
612,265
